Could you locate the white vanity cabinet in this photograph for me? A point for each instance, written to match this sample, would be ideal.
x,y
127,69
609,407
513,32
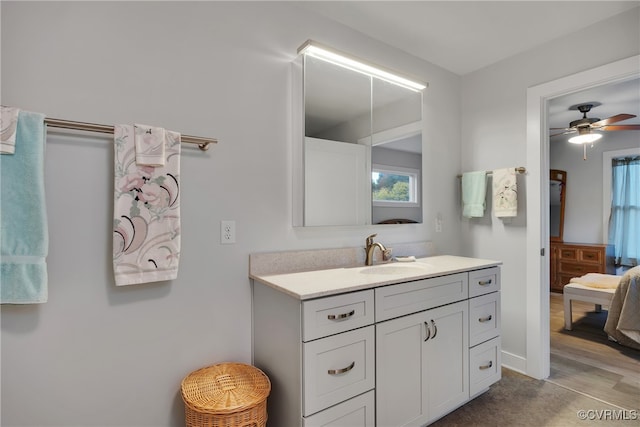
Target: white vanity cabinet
x,y
484,330
319,355
422,366
387,352
422,369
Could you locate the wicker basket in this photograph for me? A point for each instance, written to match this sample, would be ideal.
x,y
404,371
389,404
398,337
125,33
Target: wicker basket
x,y
226,395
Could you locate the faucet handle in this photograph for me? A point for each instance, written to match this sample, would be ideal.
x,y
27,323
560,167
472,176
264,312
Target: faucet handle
x,y
370,239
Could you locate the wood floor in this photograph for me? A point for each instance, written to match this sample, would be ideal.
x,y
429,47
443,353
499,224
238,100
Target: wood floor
x,y
584,360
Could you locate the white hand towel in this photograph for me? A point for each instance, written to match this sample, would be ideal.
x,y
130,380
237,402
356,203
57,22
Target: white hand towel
x,y
8,128
150,142
505,192
146,223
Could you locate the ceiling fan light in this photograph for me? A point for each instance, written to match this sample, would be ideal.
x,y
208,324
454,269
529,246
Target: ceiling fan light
x,y
585,138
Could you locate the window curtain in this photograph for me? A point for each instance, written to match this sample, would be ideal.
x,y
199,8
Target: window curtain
x,y
624,221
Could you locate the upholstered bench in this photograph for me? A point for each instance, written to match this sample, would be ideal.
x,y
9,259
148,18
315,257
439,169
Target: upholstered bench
x,y
575,291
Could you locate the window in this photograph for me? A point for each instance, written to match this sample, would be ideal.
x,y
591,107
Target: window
x,y
624,218
395,186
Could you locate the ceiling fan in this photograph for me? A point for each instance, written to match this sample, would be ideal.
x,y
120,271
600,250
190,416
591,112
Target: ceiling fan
x,y
586,125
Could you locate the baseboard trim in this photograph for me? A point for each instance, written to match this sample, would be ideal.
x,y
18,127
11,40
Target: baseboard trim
x,y
514,362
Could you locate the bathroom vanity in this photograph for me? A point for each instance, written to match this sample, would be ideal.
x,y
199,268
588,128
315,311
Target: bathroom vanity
x,y
385,345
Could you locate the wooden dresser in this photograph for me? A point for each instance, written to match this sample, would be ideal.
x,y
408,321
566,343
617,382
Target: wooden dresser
x,y
570,260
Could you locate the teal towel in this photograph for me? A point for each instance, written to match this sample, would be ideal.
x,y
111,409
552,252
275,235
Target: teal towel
x,y
24,239
474,192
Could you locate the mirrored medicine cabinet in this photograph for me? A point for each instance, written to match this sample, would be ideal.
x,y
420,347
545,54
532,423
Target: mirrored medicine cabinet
x,y
357,145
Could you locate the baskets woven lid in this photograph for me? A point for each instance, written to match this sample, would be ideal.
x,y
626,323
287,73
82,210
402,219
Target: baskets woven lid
x,y
225,388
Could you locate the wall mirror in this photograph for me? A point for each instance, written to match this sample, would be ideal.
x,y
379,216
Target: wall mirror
x,y
557,196
358,146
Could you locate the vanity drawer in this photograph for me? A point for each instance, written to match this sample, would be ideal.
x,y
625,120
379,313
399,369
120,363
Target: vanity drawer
x,y
484,366
411,297
331,315
356,412
484,318
337,368
484,281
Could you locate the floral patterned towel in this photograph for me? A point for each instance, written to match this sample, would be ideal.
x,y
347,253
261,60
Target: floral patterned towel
x,y
8,129
146,222
505,192
150,142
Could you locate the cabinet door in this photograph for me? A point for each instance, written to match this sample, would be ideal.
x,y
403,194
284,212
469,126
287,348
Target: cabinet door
x,y
400,374
422,366
447,359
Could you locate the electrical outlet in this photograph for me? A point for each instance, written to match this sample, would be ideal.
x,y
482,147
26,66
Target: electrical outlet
x,y
438,225
227,232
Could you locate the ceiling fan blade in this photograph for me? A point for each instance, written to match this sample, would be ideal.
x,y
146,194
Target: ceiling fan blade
x,y
612,119
621,127
562,133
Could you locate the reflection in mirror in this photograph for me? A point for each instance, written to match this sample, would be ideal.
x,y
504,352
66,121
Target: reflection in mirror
x,y
361,149
337,102
557,196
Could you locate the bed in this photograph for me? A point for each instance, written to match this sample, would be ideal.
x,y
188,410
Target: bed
x,y
620,294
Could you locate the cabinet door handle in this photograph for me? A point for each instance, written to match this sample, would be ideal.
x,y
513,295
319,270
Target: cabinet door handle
x,y
341,316
426,327
435,328
485,319
341,371
483,367
485,282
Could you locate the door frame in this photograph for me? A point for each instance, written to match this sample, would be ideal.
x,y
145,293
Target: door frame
x,y
537,247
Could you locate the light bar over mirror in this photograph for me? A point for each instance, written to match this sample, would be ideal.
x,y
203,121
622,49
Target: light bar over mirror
x,y
319,51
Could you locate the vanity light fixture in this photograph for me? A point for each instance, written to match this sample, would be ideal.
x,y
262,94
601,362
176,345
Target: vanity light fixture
x,y
316,50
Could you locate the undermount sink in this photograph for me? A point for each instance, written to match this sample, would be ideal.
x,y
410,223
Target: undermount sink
x,y
396,268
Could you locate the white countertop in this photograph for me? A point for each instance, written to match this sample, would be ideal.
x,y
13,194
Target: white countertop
x,y
321,283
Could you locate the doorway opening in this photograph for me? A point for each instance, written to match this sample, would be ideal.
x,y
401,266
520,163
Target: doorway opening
x,y
537,288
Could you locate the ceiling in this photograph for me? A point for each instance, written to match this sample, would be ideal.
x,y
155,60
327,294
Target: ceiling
x,y
465,36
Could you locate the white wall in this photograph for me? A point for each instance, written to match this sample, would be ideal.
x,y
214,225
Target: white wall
x,y
494,135
583,221
100,355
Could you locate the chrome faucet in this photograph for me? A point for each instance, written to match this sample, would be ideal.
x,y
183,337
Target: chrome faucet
x,y
371,247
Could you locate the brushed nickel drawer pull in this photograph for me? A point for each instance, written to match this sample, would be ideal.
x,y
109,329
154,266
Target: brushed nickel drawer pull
x,y
435,328
341,316
483,367
341,371
485,319
485,282
426,327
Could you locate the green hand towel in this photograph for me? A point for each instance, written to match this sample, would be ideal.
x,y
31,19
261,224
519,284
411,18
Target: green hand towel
x,y
24,236
474,191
